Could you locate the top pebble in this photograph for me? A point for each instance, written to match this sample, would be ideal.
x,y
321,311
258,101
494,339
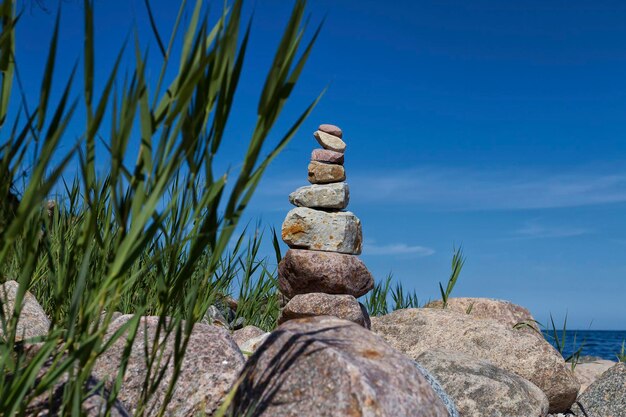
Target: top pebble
x,y
331,129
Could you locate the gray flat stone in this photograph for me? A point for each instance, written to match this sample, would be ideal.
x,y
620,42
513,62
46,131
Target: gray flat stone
x,y
329,196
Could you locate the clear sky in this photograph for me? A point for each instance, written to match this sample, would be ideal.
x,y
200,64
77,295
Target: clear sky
x,y
497,125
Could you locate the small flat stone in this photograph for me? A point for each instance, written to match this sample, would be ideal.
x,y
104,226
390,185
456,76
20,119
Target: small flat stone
x,y
329,196
329,157
306,228
328,141
305,271
331,129
321,173
344,306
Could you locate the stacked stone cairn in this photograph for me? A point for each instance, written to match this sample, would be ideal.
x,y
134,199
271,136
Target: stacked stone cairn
x,y
321,274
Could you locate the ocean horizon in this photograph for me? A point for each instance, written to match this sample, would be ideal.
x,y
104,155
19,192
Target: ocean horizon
x,y
605,344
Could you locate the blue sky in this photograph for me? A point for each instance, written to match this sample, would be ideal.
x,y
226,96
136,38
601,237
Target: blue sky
x,y
497,125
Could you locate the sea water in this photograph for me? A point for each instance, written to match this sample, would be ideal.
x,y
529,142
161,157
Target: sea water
x,y
605,344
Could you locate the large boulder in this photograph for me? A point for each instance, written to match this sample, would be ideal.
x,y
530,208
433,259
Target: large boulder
x,y
211,365
606,397
32,322
323,367
415,331
304,271
49,403
343,306
503,311
478,388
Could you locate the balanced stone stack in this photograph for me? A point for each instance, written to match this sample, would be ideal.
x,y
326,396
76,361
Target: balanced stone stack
x,y
321,274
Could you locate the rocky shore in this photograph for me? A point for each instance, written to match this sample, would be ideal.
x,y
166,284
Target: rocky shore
x,y
329,358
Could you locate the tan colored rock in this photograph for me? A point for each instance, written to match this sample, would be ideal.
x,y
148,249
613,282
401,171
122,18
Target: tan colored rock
x,y
211,365
415,331
241,336
330,142
250,346
345,307
327,196
33,321
304,271
327,367
321,173
504,312
478,388
306,228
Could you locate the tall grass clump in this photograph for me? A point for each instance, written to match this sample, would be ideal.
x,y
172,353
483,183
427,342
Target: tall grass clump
x,y
147,237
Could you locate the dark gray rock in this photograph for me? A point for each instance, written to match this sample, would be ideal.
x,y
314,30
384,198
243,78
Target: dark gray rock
x,y
607,395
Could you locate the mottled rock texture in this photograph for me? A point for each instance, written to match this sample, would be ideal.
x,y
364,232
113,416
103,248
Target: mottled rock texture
x,y
325,155
321,173
32,322
479,388
327,196
415,331
306,228
211,365
304,271
588,372
345,307
327,367
606,397
503,311
243,335
330,142
331,130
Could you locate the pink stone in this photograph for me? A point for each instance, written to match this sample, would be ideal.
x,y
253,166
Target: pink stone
x,y
331,129
328,156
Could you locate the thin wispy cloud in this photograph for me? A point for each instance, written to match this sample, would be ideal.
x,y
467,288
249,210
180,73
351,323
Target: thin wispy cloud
x,y
470,189
535,230
370,247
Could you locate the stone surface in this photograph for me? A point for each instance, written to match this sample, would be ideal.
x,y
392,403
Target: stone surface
x,y
48,404
478,388
441,393
250,346
211,365
606,397
331,130
33,321
502,311
327,196
305,228
345,307
415,331
325,155
330,142
321,173
304,271
241,336
588,372
327,367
